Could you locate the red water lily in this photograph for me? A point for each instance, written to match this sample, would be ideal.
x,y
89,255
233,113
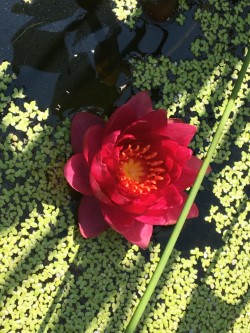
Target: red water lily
x,y
132,170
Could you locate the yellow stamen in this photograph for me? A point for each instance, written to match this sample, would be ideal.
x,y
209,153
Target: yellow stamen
x,y
137,172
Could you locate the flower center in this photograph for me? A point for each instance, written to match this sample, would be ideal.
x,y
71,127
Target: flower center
x,y
134,170
139,169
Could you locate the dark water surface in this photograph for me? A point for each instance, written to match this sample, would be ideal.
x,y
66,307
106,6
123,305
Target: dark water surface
x,y
70,54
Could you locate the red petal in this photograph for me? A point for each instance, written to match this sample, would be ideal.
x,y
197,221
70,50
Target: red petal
x,y
174,213
169,163
182,133
182,155
117,218
135,232
76,171
120,119
109,142
104,169
158,121
140,104
139,234
99,194
174,120
171,196
155,215
136,129
92,142
135,206
107,182
91,221
129,112
140,204
153,220
195,164
194,212
175,173
167,147
186,179
157,207
81,122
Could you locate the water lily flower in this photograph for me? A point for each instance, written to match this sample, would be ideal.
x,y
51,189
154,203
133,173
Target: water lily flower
x,y
132,170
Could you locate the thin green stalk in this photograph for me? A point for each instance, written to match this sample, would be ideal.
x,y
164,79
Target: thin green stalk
x,y
179,225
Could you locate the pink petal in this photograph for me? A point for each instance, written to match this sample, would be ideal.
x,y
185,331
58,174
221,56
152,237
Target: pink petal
x,y
76,171
182,133
135,108
174,213
81,122
92,142
90,218
117,218
139,234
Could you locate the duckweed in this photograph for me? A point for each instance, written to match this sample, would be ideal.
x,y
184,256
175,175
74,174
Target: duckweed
x,y
127,11
198,90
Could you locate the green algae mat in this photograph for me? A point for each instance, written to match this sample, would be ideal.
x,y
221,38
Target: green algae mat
x,y
57,57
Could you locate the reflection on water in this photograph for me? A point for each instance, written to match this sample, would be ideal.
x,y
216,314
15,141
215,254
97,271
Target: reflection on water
x,y
159,10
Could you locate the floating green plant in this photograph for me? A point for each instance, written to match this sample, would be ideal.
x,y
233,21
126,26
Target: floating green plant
x,y
167,252
127,11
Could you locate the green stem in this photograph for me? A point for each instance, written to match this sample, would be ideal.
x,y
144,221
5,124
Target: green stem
x,y
179,225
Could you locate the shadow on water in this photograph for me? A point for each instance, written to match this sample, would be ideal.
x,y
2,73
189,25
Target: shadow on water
x,y
78,53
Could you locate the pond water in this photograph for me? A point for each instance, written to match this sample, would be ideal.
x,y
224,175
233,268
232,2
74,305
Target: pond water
x,y
72,55
71,47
